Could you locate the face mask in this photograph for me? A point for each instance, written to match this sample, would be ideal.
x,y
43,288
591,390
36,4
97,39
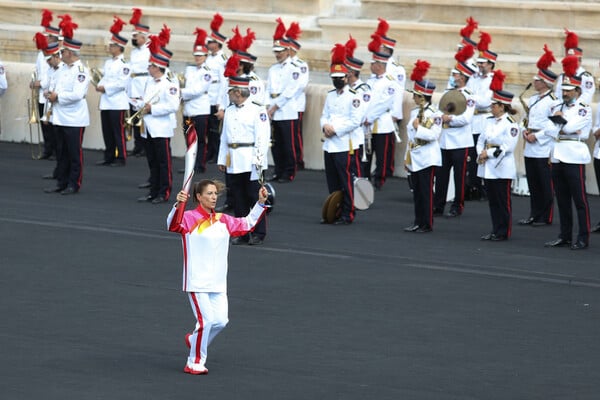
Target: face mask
x,y
338,83
134,42
451,82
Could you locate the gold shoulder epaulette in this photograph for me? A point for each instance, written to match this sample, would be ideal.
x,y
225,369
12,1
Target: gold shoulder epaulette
x,y
391,78
352,91
584,105
258,104
552,96
224,57
511,119
467,91
332,90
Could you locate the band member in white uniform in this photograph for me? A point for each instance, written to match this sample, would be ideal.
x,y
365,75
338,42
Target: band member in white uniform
x,y
423,154
70,114
455,141
159,104
114,101
495,156
243,152
588,84
538,145
340,117
569,156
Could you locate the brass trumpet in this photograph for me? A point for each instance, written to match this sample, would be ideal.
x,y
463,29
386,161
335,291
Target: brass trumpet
x,y
139,114
181,79
95,74
33,117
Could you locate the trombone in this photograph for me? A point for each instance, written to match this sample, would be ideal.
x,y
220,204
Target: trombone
x,y
34,118
139,114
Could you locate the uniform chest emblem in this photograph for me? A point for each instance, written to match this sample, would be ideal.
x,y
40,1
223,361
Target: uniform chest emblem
x,y
582,112
588,85
437,121
470,103
356,103
295,75
391,90
263,117
125,71
172,90
400,78
81,77
303,70
253,90
366,97
207,77
513,132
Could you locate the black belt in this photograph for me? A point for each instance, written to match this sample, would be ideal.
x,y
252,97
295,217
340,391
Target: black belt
x,y
236,145
135,75
533,130
492,146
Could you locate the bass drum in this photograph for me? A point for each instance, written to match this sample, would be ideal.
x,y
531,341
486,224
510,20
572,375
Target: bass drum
x,y
364,195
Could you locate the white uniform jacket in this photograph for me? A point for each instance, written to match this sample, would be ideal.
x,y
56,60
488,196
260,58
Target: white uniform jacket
x,y
196,100
364,92
206,244
282,86
3,81
216,62
570,145
41,70
457,134
588,86
499,133
71,108
379,110
115,82
423,142
256,86
479,86
596,127
163,95
342,111
540,108
245,138
300,97
138,64
399,73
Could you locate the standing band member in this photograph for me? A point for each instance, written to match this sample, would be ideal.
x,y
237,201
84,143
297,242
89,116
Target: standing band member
x,y
456,139
340,117
569,156
139,76
70,114
423,151
114,101
243,152
196,100
495,156
205,236
378,116
538,144
282,87
159,105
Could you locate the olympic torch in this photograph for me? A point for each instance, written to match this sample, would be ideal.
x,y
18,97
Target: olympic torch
x,y
190,156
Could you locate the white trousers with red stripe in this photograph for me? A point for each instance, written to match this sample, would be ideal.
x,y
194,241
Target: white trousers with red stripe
x,y
210,310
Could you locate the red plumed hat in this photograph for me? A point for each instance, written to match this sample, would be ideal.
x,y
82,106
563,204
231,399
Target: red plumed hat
x,y
464,53
46,18
232,65
484,41
293,31
117,26
468,30
350,47
375,44
279,30
216,22
248,39
200,37
136,16
382,28
235,42
546,59
67,26
338,54
420,70
570,65
572,40
154,44
41,41
497,81
165,35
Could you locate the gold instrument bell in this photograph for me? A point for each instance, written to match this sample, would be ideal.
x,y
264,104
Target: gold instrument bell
x,y
453,102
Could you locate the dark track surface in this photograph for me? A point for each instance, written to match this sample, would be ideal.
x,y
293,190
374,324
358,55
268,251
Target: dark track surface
x,y
92,308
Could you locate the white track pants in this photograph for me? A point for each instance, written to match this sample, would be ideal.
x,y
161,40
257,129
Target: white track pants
x,y
210,310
